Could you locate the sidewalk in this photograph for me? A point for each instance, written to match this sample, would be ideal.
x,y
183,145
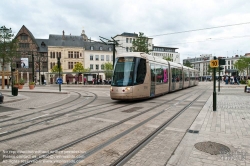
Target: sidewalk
x,y
227,129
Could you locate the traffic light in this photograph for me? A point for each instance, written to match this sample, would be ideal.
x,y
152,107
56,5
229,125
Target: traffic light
x,y
221,68
222,61
58,62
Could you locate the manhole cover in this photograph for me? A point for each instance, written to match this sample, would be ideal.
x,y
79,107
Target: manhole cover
x,y
212,148
132,109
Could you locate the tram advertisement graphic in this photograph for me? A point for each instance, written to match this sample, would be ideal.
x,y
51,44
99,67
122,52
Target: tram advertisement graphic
x,y
24,62
165,76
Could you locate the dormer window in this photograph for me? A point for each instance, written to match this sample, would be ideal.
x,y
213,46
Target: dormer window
x,y
109,48
43,44
101,48
91,48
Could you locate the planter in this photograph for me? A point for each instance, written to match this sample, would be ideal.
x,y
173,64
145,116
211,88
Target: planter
x,y
16,86
31,86
20,86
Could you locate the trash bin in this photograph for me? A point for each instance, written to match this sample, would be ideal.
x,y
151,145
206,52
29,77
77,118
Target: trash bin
x,y
14,91
1,98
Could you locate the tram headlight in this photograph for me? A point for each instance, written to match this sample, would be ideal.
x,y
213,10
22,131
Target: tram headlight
x,y
127,88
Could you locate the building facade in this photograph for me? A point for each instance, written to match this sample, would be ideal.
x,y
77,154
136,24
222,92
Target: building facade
x,y
166,52
125,42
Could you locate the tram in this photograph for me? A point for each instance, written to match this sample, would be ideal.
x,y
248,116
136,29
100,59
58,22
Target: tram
x,y
138,75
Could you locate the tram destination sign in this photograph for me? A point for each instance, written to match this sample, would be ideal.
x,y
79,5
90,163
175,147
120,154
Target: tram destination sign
x,y
214,63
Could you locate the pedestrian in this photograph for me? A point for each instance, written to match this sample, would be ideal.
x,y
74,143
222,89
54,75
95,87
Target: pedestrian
x,y
44,81
67,81
84,80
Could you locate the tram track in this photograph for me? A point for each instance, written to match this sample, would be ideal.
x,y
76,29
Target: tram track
x,y
79,96
135,149
51,114
65,146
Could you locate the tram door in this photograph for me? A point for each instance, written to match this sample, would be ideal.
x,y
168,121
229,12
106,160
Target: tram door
x,y
152,88
173,78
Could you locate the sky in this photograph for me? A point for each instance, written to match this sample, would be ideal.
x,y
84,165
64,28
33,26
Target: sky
x,y
156,19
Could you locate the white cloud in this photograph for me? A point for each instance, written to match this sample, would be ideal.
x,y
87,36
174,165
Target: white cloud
x,y
111,17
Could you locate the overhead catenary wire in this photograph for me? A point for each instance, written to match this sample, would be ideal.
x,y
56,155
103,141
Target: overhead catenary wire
x,y
199,29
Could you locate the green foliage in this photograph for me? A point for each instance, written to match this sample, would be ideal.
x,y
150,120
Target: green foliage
x,y
79,68
21,82
8,46
188,64
168,58
108,69
141,44
55,69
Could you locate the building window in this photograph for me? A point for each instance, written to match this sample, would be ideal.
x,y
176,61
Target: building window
x,y
126,40
24,37
60,56
130,40
101,48
97,57
91,48
97,67
24,45
91,66
102,67
70,54
109,48
80,54
50,54
130,49
127,49
76,54
53,55
102,57
70,65
91,57
107,57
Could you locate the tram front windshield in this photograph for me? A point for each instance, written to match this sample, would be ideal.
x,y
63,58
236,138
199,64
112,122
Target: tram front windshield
x,y
129,71
124,71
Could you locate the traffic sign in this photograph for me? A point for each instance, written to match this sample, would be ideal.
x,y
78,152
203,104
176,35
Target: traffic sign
x,y
59,81
214,63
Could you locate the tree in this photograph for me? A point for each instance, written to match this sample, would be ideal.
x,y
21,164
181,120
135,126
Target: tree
x,y
168,58
108,68
55,69
188,64
8,48
240,65
79,68
141,44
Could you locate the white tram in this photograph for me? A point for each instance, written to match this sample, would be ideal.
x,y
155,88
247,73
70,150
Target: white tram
x,y
139,75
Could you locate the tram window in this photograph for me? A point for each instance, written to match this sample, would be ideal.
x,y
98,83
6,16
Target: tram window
x,y
165,74
177,75
159,74
173,74
186,76
152,66
180,74
141,71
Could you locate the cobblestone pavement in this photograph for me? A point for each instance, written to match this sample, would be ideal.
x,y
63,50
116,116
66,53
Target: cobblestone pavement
x,y
228,125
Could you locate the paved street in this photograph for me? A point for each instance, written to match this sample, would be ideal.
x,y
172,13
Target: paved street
x,y
38,121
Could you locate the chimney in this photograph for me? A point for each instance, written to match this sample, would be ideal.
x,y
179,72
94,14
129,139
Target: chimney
x,y
63,35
